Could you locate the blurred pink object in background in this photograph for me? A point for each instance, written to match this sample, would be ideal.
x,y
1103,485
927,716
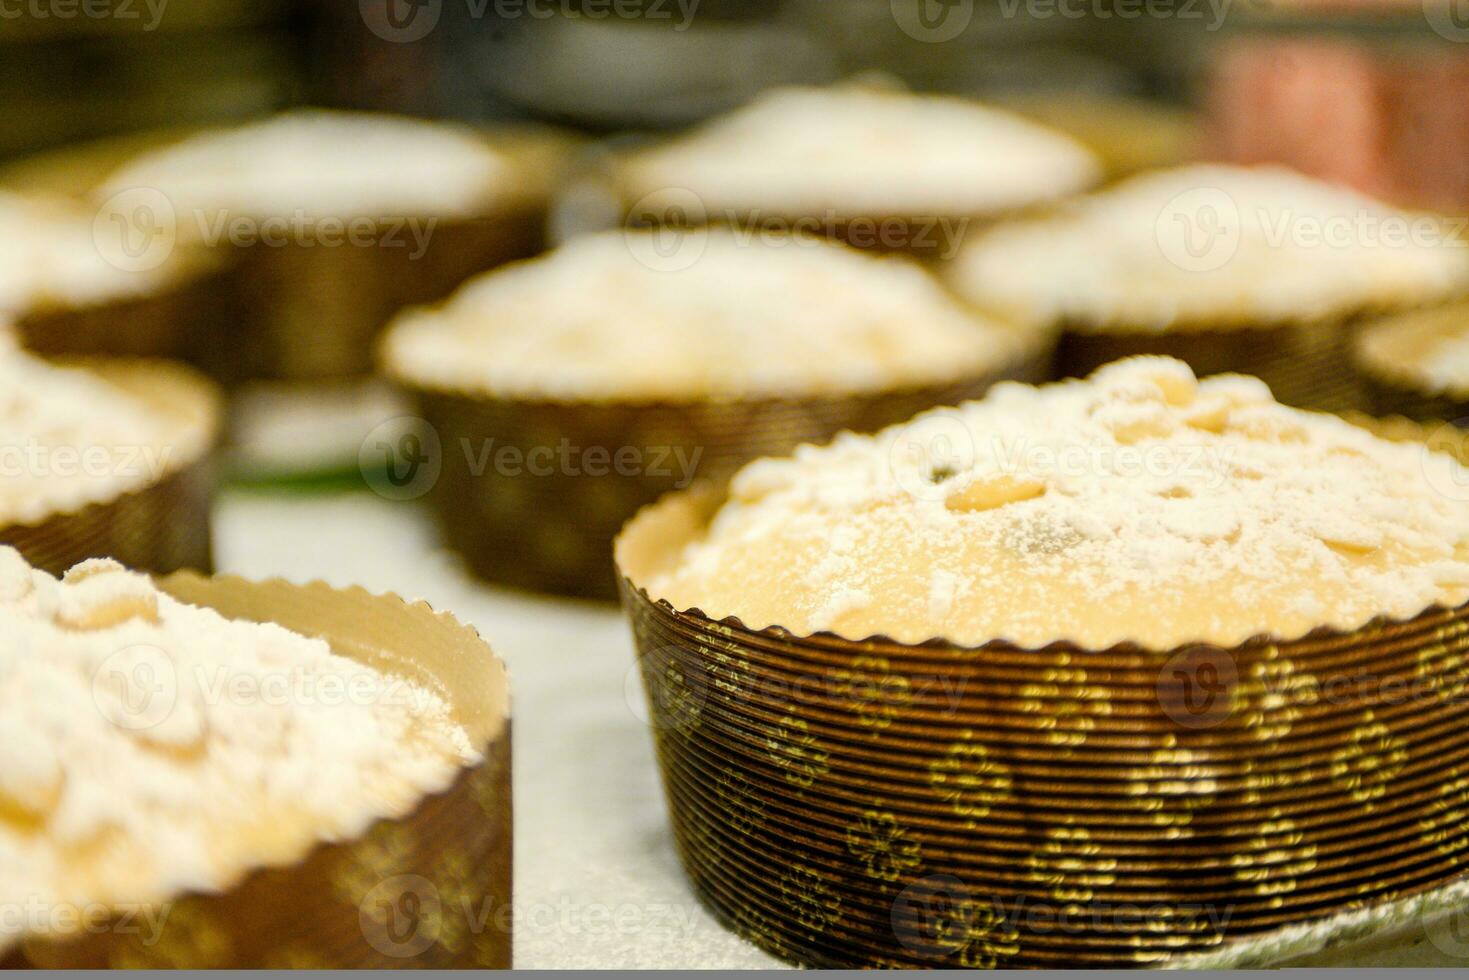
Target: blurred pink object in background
x,y
1387,116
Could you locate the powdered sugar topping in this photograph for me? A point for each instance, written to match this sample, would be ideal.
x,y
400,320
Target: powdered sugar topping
x,y
859,152
68,438
1213,245
752,315
323,164
149,747
1140,505
49,257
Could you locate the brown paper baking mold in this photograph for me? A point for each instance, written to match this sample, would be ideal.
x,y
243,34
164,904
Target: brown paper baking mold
x,y
930,236
1306,365
430,890
160,527
1391,388
300,312
164,323
553,533
1387,398
303,312
726,776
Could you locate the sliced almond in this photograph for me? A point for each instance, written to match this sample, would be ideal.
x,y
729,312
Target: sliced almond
x,y
104,597
988,492
31,777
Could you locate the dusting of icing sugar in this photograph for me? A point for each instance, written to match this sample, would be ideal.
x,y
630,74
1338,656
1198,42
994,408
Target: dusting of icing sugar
x,y
68,438
1139,504
49,257
1447,368
149,747
1426,350
323,164
1212,245
861,152
753,315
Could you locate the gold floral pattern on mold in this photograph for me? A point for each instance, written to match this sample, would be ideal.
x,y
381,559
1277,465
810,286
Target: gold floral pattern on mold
x,y
675,697
1441,665
727,671
813,904
883,846
754,925
872,690
1171,790
191,940
1069,867
1369,760
1274,858
383,855
1447,817
744,811
969,779
987,937
1273,696
297,956
1066,709
463,908
797,752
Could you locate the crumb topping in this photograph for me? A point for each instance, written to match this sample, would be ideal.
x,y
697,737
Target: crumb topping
x,y
748,315
1212,246
1139,504
863,152
149,747
323,164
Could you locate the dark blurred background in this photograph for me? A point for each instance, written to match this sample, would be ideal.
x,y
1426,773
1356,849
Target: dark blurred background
x,y
1373,90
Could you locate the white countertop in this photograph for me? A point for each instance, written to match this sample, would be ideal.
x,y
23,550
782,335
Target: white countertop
x,y
598,884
